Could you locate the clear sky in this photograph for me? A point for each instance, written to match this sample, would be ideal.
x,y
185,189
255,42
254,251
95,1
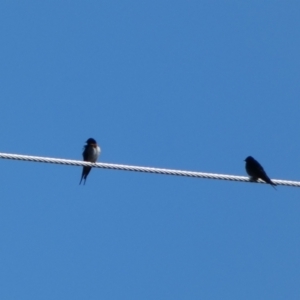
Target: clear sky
x,y
192,85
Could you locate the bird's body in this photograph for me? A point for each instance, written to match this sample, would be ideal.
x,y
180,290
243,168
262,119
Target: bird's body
x,y
256,171
91,153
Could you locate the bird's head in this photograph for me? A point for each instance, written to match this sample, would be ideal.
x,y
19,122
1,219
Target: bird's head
x,y
91,141
249,158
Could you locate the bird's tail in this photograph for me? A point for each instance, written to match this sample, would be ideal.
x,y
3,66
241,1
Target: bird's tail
x,y
83,176
81,180
268,180
85,173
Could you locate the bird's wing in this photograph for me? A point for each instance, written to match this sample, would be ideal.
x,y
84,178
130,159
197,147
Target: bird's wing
x,y
259,167
85,153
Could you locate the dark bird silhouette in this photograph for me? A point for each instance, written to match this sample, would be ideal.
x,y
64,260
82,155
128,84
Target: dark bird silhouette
x,y
90,153
256,171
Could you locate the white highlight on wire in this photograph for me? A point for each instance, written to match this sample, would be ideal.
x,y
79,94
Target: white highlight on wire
x,y
140,169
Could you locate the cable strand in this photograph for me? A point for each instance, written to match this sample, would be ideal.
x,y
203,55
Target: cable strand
x,y
141,169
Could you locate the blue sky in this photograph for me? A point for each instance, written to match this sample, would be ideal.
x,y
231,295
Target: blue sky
x,y
193,85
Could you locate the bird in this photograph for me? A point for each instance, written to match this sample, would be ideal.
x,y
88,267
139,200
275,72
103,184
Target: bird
x,y
90,153
256,171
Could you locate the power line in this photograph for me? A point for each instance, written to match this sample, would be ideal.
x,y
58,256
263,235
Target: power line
x,y
140,169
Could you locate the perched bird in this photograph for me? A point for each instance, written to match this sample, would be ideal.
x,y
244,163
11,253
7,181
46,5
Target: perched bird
x,y
256,171
91,153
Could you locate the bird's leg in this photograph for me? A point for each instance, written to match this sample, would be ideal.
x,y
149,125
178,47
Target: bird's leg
x,y
253,179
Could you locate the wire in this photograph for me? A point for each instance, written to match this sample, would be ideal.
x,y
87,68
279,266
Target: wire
x,y
140,169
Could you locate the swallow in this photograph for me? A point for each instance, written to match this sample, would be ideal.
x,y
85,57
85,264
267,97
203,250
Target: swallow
x,y
90,153
256,171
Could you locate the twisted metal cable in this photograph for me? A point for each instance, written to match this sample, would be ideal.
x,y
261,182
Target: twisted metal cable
x,y
140,169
